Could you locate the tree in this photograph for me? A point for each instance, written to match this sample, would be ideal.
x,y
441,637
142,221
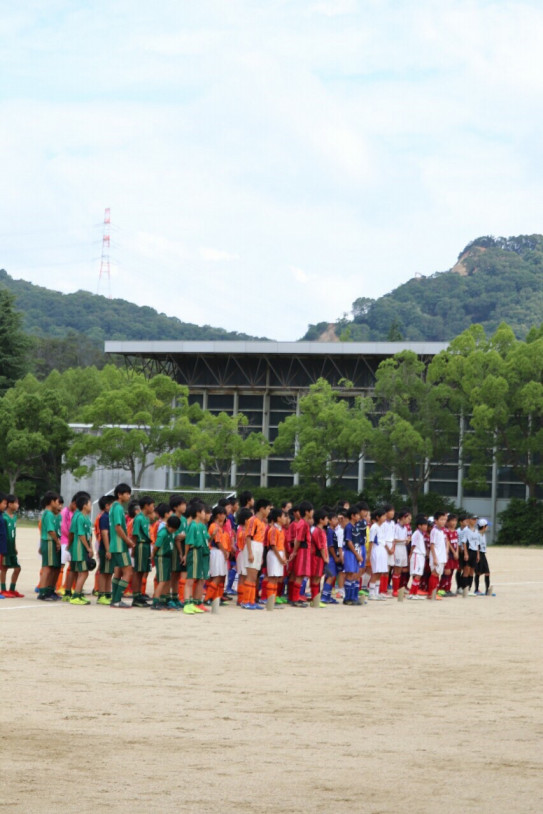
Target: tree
x,y
217,444
417,426
328,436
131,424
14,344
34,432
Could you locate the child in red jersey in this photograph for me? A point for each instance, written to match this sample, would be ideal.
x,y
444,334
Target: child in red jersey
x,y
301,552
451,565
319,551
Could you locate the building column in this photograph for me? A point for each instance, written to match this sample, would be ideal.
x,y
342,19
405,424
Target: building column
x,y
296,478
202,468
360,484
426,488
494,492
266,434
234,467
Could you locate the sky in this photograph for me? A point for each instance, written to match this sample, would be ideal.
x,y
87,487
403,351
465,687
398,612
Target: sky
x,y
265,163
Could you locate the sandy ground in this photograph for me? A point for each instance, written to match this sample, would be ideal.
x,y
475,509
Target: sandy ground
x,y
414,706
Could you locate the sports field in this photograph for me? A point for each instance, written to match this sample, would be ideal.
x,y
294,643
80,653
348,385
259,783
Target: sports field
x,y
392,707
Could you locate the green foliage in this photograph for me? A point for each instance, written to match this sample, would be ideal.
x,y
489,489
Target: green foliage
x,y
328,435
133,420
496,280
521,523
14,345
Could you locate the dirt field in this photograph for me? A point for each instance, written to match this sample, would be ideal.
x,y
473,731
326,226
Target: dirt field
x,y
414,706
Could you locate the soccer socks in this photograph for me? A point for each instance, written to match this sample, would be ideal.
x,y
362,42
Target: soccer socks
x,y
383,584
395,583
476,582
415,586
326,592
211,592
315,590
433,583
119,586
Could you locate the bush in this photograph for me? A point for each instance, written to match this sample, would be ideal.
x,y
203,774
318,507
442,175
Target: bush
x,y
521,523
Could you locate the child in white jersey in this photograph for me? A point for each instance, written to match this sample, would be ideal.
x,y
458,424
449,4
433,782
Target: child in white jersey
x,y
401,539
438,554
379,555
417,560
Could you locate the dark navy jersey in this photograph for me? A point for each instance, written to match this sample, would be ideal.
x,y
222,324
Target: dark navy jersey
x,y
331,540
359,535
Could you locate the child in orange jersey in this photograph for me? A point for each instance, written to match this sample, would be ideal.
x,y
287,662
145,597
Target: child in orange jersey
x,y
254,547
244,515
275,559
219,544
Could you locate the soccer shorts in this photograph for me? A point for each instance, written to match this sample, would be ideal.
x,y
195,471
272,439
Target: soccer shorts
x,y
472,558
350,563
241,564
197,563
120,559
482,565
163,568
105,565
10,561
451,564
390,560
142,558
317,566
65,555
438,567
176,559
218,566
416,564
50,556
302,563
400,556
362,552
79,566
258,555
333,568
379,559
274,568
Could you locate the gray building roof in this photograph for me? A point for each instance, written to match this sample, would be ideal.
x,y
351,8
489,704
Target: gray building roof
x,y
275,348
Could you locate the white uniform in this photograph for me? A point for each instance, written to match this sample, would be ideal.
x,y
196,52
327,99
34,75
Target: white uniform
x,y
389,526
418,554
379,557
439,542
339,536
218,566
400,548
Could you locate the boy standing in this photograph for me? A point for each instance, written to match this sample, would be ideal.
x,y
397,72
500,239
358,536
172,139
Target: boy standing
x,y
162,554
335,559
49,547
10,560
301,552
178,505
81,549
3,532
104,554
142,549
197,554
254,549
482,568
438,553
120,545
352,556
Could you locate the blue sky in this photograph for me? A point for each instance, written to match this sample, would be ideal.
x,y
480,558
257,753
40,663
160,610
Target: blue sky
x,y
266,163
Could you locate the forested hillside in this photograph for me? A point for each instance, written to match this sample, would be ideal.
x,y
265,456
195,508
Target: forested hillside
x,y
494,280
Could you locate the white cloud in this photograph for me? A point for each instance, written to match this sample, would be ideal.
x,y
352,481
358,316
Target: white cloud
x,y
217,255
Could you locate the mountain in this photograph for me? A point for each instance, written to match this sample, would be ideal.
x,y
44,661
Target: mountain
x,y
494,280
70,329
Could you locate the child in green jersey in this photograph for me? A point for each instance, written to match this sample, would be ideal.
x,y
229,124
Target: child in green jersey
x,y
142,549
197,557
49,547
162,555
120,545
10,559
81,549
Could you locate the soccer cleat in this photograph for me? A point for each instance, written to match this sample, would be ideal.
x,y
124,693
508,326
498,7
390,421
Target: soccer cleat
x,y
76,600
119,604
9,594
61,591
478,593
169,605
103,600
17,595
489,590
85,600
300,604
247,606
3,597
189,609
66,598
441,592
156,607
202,607
47,598
198,609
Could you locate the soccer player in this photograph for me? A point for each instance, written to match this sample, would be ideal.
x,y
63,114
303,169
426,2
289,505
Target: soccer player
x,y
162,554
178,505
120,545
451,565
104,554
482,568
219,543
352,555
254,550
438,553
67,526
142,549
197,554
379,554
462,544
276,561
319,551
471,541
10,559
401,539
340,534
301,552
334,566
232,508
388,529
49,547
244,515
81,549
417,561
3,532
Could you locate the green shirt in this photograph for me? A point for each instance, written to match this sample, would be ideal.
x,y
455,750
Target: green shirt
x,y
48,523
164,543
140,529
116,518
73,521
82,529
196,535
10,531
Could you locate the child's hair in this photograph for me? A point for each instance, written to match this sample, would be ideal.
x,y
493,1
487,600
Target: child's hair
x,y
162,510
275,514
48,498
304,507
388,507
146,501
284,504
122,489
377,513
403,513
350,513
133,507
362,506
262,503
319,515
331,513
452,517
243,516
82,501
79,494
437,515
105,500
194,508
224,502
3,497
421,520
245,498
217,511
12,499
173,521
61,500
177,500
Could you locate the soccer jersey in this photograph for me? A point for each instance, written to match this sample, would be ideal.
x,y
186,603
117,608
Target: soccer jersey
x,y
48,524
452,537
11,523
438,540
418,543
318,541
256,529
482,542
164,543
3,536
388,531
473,539
276,537
331,539
65,523
73,522
140,529
339,532
348,535
196,535
83,528
219,535
303,534
240,537
400,534
104,526
116,518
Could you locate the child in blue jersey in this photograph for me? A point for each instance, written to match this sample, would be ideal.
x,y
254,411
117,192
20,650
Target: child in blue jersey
x,y
352,558
334,566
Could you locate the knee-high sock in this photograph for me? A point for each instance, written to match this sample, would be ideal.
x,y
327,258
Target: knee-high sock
x,y
415,586
395,583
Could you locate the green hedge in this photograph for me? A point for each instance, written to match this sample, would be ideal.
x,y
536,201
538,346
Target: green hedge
x,y
521,523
